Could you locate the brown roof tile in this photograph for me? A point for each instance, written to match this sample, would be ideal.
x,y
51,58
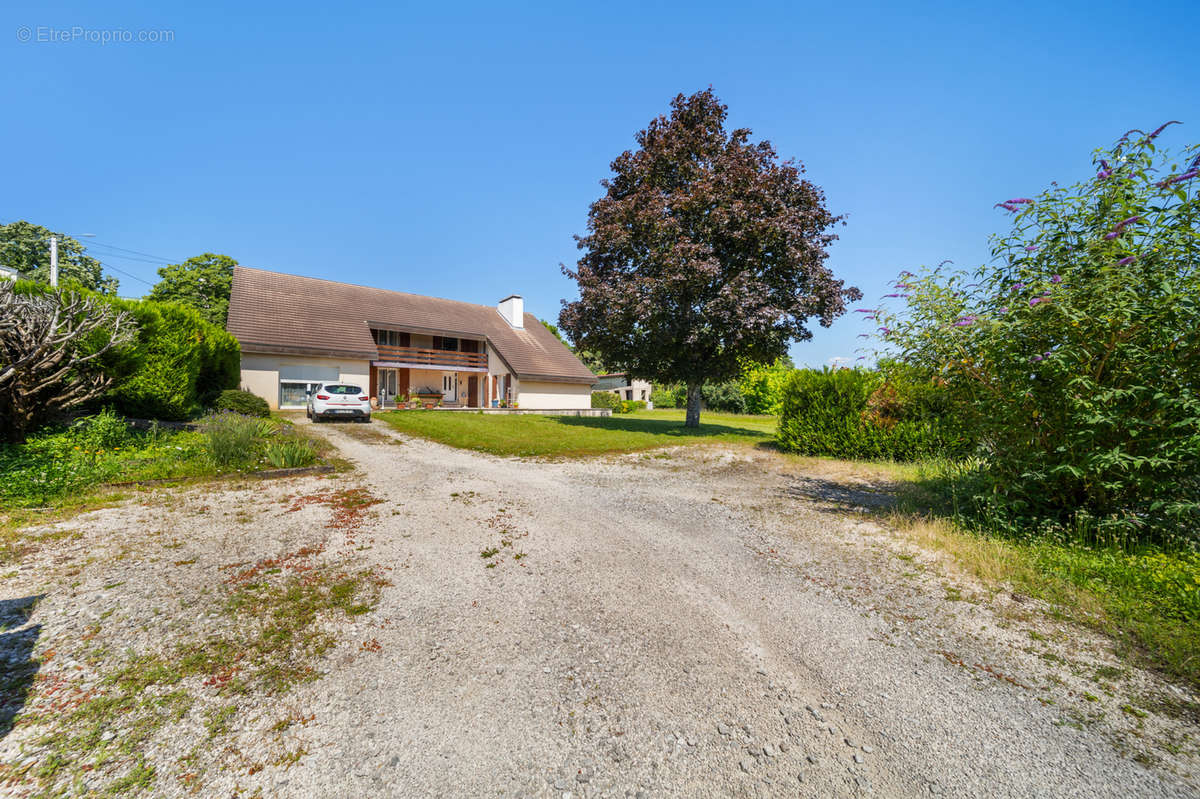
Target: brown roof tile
x,y
278,313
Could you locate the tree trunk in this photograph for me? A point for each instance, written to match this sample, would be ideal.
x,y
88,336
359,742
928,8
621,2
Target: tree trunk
x,y
693,406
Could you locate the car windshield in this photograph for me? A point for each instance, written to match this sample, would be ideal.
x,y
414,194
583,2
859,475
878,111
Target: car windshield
x,y
343,389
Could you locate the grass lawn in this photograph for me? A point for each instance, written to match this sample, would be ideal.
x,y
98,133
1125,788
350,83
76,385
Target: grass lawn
x,y
64,465
567,436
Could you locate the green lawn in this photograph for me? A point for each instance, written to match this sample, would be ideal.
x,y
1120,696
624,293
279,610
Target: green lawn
x,y
534,435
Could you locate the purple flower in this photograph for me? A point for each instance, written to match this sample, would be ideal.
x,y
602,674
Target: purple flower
x,y
885,330
1104,173
943,263
1031,247
1195,162
1128,221
1007,207
1191,173
1037,358
1161,127
1020,201
966,321
1036,300
1128,259
1113,235
1017,287
1125,138
1056,278
886,296
1045,355
1004,309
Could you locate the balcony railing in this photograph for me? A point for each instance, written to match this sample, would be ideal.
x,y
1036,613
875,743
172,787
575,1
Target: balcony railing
x,y
420,357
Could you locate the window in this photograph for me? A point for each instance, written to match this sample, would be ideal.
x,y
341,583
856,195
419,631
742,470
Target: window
x,y
445,343
342,390
294,394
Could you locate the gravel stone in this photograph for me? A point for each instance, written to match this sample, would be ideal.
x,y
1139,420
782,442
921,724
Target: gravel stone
x,y
733,560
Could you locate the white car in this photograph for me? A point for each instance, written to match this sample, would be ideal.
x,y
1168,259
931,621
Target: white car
x,y
334,400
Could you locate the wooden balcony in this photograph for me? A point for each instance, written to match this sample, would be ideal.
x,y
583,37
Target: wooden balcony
x,y
444,359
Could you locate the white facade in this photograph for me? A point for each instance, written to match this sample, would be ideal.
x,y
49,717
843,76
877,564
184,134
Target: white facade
x,y
283,380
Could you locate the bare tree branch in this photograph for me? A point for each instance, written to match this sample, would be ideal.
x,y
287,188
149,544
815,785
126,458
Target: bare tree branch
x,y
50,344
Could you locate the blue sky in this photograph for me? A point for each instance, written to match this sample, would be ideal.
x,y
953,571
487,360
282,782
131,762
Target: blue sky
x,y
453,150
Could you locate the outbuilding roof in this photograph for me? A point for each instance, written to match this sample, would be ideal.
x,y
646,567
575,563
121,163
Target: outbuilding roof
x,y
272,312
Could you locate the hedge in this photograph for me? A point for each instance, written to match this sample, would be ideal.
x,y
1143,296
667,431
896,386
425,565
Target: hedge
x,y
243,402
177,366
861,414
605,399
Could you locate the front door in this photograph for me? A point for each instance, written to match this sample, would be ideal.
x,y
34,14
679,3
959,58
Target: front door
x,y
387,387
473,391
449,387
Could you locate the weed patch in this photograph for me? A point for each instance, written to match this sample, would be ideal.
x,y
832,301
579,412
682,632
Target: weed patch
x,y
98,732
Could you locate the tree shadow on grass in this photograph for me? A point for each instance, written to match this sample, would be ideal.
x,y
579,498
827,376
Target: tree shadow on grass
x,y
661,427
16,650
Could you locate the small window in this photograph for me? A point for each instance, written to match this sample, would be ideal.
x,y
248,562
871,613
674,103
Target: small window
x,y
341,389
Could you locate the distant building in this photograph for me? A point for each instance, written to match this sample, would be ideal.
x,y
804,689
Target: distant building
x,y
8,273
620,384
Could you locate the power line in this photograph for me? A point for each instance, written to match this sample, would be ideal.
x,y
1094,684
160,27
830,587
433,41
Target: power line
x,y
132,258
158,258
126,274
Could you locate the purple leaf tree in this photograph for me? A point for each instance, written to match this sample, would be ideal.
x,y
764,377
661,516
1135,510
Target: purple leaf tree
x,y
706,251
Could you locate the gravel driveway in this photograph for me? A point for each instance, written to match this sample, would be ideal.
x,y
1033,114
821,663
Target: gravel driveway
x,y
689,622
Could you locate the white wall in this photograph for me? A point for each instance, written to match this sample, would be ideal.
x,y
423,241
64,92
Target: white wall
x,y
553,396
261,373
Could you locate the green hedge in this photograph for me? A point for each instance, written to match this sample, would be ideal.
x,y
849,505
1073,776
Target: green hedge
x,y
605,399
858,413
243,402
178,364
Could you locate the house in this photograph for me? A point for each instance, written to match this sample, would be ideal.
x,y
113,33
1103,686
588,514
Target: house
x,y
8,273
620,384
299,331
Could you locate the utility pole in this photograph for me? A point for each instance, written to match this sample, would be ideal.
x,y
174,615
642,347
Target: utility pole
x,y
54,260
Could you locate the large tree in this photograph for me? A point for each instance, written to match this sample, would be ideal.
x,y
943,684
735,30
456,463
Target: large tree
x,y
705,252
51,343
202,282
25,247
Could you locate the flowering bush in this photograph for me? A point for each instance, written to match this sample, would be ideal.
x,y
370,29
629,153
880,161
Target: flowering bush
x,y
1074,356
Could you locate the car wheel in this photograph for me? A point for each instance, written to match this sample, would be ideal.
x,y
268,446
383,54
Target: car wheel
x,y
316,417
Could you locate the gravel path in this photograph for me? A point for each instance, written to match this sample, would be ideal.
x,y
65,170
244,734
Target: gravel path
x,y
687,622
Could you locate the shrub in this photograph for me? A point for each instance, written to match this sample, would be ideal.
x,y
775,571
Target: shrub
x,y
857,413
177,365
721,397
243,402
667,397
762,387
605,399
105,430
1073,355
629,406
290,453
233,439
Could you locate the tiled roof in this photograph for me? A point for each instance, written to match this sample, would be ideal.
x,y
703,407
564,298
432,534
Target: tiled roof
x,y
277,313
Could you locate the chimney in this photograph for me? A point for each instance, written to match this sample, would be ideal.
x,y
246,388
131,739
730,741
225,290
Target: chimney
x,y
512,308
